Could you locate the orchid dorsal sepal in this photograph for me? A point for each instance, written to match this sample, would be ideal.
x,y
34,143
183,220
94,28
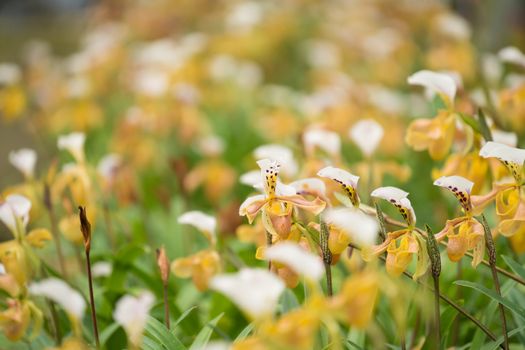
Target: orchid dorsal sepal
x,y
297,258
269,173
24,160
14,213
399,199
74,144
205,223
460,187
511,157
347,181
435,82
367,134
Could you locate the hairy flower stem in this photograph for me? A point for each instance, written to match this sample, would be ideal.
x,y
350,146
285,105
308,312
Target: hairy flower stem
x,y
269,244
491,249
327,258
54,229
435,270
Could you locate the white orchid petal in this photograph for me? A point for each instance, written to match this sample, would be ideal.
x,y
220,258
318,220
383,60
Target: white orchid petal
x,y
284,190
74,144
298,259
310,185
339,175
367,135
436,82
458,182
269,173
102,269
503,152
328,141
131,313
512,55
251,178
255,291
24,160
16,207
398,197
62,294
507,138
358,226
281,154
203,222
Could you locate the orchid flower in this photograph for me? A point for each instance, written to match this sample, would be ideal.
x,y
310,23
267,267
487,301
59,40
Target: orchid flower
x,y
298,259
328,141
347,181
205,223
24,160
257,303
131,313
367,135
470,234
277,202
400,245
435,83
74,144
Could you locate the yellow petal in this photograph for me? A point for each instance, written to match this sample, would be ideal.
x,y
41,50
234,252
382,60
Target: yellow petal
x,y
38,237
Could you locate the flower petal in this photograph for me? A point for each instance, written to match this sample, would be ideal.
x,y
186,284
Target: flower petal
x,y
347,181
61,293
315,207
281,154
15,209
297,258
269,173
511,157
203,222
131,313
435,82
367,135
74,144
460,187
360,227
328,141
24,160
309,186
399,199
251,206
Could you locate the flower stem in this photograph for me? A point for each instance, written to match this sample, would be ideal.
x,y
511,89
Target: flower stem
x,y
435,270
491,249
269,244
166,306
92,300
327,258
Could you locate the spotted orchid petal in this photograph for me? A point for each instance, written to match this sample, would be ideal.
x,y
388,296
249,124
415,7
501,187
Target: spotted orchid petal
x,y
14,212
511,157
347,181
328,141
310,186
279,153
269,173
435,82
24,160
205,223
399,199
367,135
460,187
298,259
359,227
239,287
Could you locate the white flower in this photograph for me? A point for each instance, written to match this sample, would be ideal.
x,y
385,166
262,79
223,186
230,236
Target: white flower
x,y
298,259
347,181
358,226
454,26
14,212
441,83
101,269
62,294
132,312
251,178
398,198
512,55
255,291
328,141
244,16
9,74
211,145
309,186
24,160
279,153
507,138
203,222
455,182
503,152
108,166
74,144
367,135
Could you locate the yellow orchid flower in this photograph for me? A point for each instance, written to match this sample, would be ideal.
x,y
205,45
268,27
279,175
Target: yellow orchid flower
x,y
201,267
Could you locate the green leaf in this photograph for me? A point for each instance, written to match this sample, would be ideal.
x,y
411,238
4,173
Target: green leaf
x,y
204,335
183,316
472,122
495,344
288,301
159,332
514,265
150,344
108,332
493,295
245,332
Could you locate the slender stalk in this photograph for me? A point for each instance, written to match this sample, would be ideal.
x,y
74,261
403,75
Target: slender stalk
x,y
491,249
269,244
166,306
412,342
54,229
435,270
92,300
327,258
54,320
163,264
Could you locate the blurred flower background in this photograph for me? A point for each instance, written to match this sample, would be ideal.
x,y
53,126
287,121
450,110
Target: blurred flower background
x,y
234,159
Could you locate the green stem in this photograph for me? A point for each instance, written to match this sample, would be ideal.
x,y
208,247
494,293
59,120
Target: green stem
x,y
327,257
92,300
491,249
